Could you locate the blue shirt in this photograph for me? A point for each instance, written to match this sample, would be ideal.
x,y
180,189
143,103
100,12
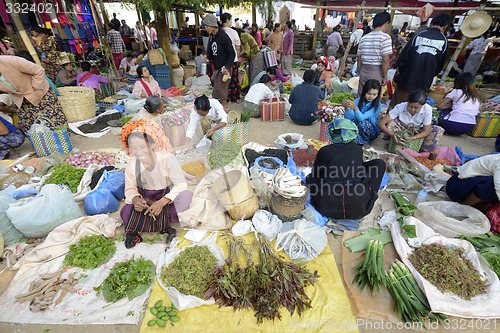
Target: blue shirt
x,y
304,99
9,126
367,112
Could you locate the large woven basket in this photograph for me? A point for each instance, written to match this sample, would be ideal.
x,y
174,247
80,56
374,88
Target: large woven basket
x,y
78,103
236,195
437,96
287,209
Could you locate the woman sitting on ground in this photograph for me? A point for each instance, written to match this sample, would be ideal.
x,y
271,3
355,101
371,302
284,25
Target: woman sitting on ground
x,y
210,114
257,93
460,107
88,79
66,75
414,116
153,107
476,183
146,85
323,75
126,64
155,187
304,99
364,112
341,185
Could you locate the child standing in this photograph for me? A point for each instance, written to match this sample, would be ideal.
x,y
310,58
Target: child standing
x,y
364,112
460,107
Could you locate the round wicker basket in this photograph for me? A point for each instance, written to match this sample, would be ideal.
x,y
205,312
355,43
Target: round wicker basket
x,y
287,209
78,103
236,194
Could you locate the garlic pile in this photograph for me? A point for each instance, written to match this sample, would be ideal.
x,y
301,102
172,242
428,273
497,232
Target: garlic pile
x,y
288,185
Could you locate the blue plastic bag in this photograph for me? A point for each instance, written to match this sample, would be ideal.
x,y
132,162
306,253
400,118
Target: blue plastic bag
x,y
115,182
100,201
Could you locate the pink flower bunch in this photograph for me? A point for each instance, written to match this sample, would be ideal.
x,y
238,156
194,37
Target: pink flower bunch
x,y
177,117
326,113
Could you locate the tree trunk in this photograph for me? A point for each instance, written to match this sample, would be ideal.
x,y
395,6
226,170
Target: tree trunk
x,y
163,30
254,13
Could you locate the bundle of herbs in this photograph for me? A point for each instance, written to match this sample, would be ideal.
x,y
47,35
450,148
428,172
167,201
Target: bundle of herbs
x,y
410,302
264,286
189,273
448,270
130,279
90,252
66,174
370,272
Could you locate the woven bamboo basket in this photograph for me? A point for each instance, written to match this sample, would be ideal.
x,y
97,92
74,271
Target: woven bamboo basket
x,y
436,96
78,103
236,194
287,209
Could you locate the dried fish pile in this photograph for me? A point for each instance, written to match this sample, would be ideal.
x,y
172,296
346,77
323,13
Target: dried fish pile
x,y
48,289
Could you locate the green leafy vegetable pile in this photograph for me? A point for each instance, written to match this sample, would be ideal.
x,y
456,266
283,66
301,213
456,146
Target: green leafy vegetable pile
x,y
338,98
189,273
90,252
489,248
229,154
66,174
130,278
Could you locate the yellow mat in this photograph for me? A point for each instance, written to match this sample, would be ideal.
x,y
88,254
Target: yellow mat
x,y
330,312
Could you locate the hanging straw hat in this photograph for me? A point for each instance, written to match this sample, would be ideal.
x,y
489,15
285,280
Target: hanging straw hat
x,y
64,59
476,24
353,83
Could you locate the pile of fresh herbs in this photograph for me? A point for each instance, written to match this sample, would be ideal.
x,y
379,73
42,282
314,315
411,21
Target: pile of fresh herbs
x,y
264,286
338,98
189,273
489,248
66,174
229,154
128,279
448,270
90,252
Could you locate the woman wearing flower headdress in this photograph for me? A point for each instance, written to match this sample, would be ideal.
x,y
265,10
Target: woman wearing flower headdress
x,y
155,186
341,185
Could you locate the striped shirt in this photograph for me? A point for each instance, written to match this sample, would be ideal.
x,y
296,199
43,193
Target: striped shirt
x,y
373,46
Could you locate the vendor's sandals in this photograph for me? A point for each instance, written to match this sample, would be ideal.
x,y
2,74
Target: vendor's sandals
x,y
132,238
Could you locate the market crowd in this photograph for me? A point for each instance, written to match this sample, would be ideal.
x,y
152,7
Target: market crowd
x,y
247,64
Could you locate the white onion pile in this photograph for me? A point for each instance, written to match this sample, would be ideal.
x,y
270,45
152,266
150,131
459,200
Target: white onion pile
x,y
83,160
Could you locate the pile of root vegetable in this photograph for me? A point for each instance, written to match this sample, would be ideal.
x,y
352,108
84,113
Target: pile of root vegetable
x,y
48,289
265,286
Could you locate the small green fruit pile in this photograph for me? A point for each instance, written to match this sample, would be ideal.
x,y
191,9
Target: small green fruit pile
x,y
163,314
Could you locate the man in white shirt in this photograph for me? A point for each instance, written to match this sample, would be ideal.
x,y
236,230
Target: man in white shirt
x,y
203,107
477,182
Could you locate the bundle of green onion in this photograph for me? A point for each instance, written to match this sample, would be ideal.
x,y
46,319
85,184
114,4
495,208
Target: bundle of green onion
x,y
410,302
371,270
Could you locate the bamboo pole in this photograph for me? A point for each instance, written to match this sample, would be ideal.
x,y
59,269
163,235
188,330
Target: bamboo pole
x,y
453,60
18,23
359,14
315,33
